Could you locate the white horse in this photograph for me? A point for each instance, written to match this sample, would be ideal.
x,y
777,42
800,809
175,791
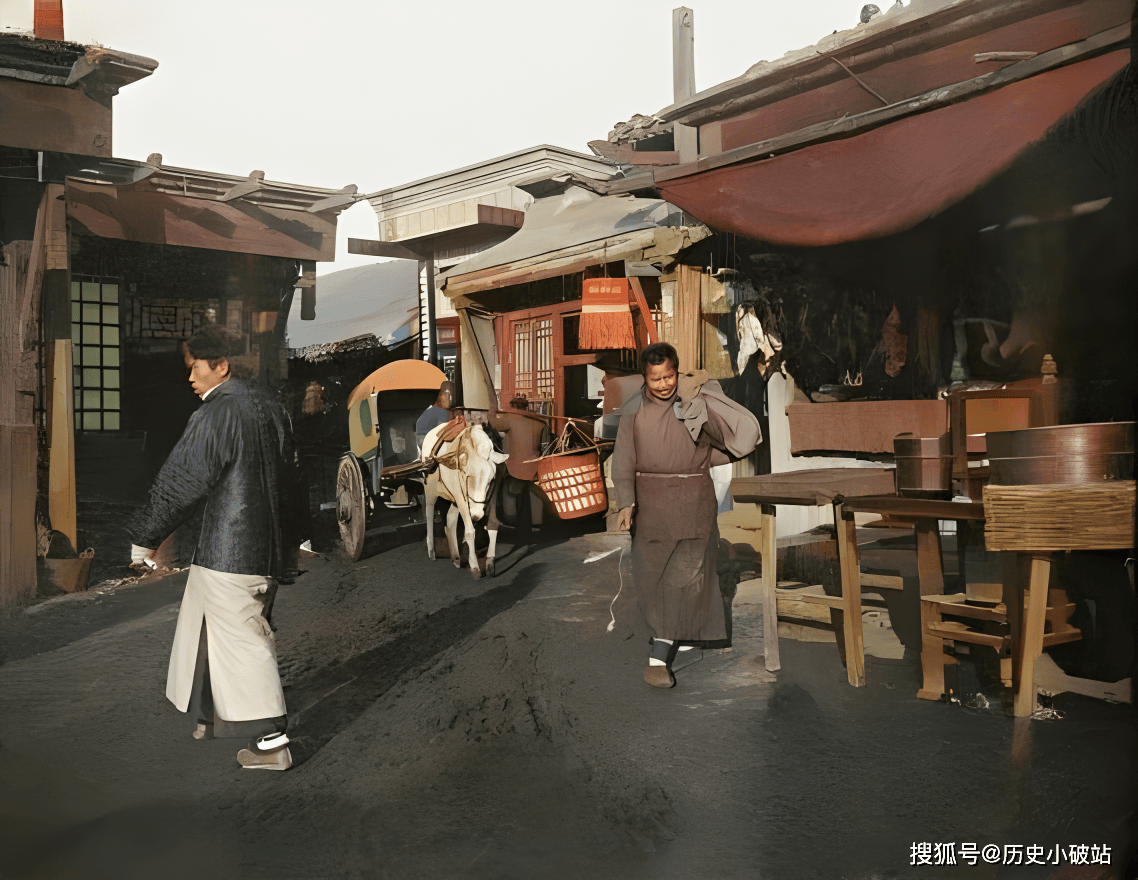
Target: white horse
x,y
465,477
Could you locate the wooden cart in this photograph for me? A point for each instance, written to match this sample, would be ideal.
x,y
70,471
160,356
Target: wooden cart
x,y
383,454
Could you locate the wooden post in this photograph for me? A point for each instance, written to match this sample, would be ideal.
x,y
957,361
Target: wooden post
x,y
687,318
768,552
683,79
57,327
432,332
1030,643
850,569
19,278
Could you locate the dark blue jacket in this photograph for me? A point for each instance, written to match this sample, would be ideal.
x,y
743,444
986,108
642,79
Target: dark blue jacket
x,y
236,454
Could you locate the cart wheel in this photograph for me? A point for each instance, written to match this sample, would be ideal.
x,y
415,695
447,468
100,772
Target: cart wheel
x,y
350,510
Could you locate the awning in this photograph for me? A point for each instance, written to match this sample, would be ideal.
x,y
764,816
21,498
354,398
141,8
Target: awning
x,y
401,375
889,178
140,212
572,231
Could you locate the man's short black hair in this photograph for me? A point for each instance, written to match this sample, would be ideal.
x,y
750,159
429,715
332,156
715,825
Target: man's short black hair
x,y
214,342
658,353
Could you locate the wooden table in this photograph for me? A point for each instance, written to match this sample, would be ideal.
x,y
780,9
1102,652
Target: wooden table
x,y
925,514
1036,522
809,488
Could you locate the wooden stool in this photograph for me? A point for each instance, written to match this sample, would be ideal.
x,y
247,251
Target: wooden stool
x,y
973,617
795,603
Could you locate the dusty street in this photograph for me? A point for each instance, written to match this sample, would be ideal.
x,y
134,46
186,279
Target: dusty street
x,y
451,727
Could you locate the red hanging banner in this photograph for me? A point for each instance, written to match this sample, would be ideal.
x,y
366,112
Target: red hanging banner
x,y
606,318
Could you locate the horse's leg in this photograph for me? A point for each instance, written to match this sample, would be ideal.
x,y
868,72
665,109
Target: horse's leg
x,y
492,521
468,524
430,494
493,533
452,535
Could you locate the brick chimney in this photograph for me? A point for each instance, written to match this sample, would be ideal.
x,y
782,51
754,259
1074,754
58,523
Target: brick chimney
x,y
49,19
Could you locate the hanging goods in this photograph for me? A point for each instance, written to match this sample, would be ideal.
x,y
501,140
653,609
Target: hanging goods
x,y
606,317
572,479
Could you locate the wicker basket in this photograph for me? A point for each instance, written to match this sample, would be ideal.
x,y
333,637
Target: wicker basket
x,y
574,482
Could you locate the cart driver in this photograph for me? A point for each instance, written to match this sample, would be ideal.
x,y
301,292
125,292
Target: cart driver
x,y
438,413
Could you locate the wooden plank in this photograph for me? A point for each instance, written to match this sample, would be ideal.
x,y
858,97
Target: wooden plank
x,y
881,581
54,119
489,215
819,597
981,57
916,508
371,248
960,632
792,603
957,604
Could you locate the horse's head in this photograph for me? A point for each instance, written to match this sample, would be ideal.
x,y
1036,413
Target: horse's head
x,y
477,463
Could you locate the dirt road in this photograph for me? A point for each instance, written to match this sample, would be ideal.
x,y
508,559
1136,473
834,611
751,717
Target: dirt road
x,y
496,728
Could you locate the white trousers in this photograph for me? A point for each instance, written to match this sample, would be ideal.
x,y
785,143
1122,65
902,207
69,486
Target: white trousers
x,y
242,649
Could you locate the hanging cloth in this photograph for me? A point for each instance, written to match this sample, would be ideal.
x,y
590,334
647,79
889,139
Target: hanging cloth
x,y
606,317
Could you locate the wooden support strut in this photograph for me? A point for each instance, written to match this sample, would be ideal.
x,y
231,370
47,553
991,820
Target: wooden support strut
x,y
642,305
861,82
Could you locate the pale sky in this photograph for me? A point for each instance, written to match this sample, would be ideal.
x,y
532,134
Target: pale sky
x,y
382,93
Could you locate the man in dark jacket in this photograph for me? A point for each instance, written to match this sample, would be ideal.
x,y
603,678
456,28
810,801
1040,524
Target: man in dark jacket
x,y
234,454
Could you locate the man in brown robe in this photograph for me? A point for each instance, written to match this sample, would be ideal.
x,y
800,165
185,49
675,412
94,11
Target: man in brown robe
x,y
671,432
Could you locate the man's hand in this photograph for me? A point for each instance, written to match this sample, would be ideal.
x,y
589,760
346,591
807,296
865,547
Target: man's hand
x,y
140,558
624,520
689,384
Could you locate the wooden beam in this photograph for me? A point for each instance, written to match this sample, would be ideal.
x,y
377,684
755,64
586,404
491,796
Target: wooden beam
x,y
139,212
642,305
53,119
346,196
371,248
981,57
255,182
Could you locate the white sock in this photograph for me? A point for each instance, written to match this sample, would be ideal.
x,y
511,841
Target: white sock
x,y
652,661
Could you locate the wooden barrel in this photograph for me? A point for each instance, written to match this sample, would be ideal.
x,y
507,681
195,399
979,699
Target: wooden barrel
x,y
1062,454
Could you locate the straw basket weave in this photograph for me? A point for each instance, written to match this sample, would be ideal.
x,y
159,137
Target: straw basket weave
x,y
1059,517
573,482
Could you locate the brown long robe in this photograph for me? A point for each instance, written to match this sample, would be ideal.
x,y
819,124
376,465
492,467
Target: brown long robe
x,y
659,467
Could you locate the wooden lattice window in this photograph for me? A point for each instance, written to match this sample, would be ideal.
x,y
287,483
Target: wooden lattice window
x,y
533,358
95,354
